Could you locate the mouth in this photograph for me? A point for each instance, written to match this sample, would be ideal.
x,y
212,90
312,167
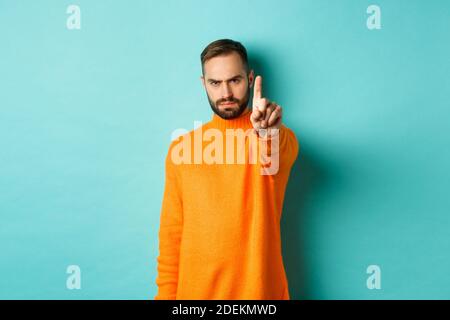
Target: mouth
x,y
228,104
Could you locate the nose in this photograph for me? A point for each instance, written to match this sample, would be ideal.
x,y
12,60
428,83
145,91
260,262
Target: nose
x,y
226,91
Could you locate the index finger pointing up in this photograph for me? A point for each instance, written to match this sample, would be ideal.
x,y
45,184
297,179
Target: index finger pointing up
x,y
257,89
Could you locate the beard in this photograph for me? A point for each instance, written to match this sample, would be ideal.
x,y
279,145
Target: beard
x,y
230,112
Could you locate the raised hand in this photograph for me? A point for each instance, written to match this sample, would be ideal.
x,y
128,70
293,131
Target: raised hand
x,y
265,114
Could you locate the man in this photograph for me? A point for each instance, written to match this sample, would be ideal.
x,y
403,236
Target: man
x,y
220,222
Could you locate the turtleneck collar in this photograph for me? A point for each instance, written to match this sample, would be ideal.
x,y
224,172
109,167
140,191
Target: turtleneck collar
x,y
243,121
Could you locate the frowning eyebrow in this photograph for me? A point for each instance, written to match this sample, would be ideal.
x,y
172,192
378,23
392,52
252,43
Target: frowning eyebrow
x,y
238,77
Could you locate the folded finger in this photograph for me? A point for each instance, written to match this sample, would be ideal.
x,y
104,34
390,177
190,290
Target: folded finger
x,y
276,114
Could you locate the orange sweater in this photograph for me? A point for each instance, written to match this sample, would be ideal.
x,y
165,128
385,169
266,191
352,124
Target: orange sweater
x,y
219,235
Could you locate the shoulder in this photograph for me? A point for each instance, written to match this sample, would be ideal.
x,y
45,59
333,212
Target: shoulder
x,y
183,144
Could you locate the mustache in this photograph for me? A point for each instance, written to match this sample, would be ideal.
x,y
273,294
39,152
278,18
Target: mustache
x,y
227,100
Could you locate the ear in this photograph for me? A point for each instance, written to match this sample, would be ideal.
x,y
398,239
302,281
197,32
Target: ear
x,y
202,78
251,78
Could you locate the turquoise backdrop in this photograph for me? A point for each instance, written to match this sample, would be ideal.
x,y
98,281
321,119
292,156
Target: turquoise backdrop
x,y
86,117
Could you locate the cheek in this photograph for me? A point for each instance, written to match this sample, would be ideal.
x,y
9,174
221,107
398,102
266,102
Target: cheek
x,y
241,91
212,93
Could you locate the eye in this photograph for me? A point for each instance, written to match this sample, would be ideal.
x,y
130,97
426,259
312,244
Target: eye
x,y
214,83
235,80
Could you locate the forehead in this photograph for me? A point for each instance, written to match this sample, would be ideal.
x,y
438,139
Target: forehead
x,y
224,66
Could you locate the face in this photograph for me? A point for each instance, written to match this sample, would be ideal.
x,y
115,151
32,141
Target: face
x,y
227,85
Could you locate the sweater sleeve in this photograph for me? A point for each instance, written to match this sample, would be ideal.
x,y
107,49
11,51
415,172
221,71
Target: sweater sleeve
x,y
170,231
282,149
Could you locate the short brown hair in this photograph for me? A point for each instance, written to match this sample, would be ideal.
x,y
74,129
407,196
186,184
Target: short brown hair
x,y
222,47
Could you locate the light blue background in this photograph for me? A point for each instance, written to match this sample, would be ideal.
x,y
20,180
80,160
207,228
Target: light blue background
x,y
86,117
